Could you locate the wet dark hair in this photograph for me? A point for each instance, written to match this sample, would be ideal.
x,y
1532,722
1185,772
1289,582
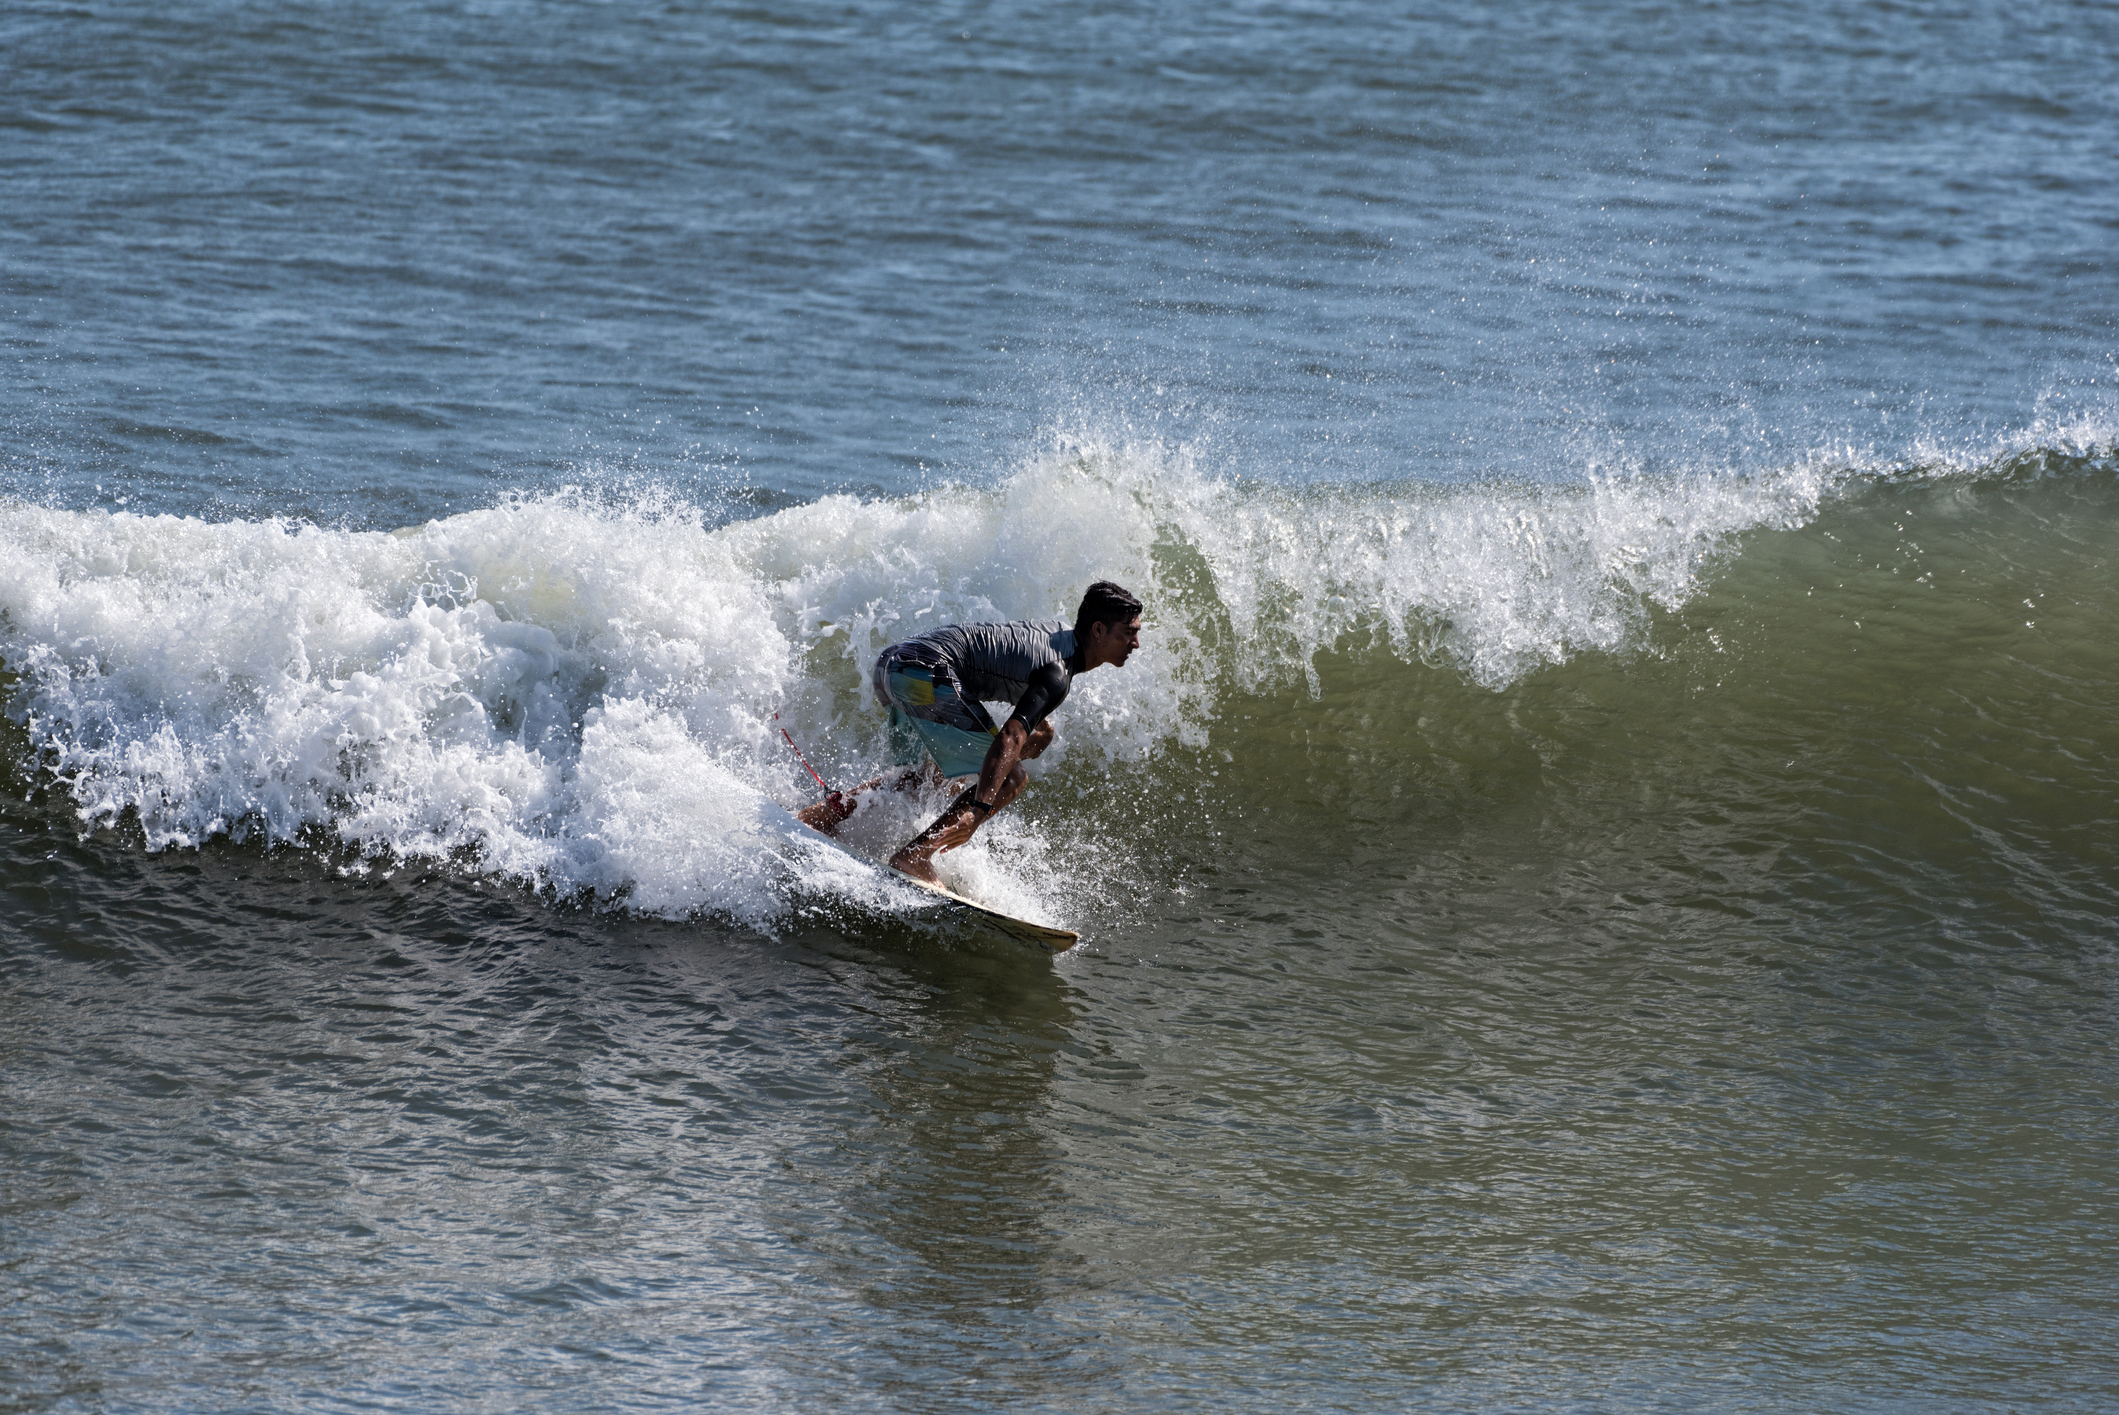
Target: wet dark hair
x,y
1103,603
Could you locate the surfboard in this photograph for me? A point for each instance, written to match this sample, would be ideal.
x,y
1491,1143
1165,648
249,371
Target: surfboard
x,y
1042,936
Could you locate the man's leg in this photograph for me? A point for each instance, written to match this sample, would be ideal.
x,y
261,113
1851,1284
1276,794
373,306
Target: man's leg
x,y
952,828
909,748
826,814
961,821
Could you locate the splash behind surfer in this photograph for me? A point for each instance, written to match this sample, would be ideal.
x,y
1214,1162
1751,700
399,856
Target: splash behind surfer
x,y
934,687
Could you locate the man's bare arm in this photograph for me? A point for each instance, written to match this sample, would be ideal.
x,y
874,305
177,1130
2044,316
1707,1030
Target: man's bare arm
x,y
1001,757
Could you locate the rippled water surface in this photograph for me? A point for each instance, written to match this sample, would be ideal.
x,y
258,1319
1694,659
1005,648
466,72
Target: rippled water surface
x,y
1598,890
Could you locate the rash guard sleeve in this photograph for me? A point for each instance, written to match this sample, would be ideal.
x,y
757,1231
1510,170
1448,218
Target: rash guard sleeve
x,y
1047,690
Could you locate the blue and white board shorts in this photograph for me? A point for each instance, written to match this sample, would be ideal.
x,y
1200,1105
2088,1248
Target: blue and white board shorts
x,y
930,716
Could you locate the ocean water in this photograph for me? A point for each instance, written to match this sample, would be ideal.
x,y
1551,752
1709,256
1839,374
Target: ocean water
x,y
1599,891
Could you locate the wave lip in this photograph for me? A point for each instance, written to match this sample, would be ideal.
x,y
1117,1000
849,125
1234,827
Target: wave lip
x,y
1495,581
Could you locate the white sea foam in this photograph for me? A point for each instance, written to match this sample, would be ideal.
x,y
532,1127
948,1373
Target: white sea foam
x,y
581,695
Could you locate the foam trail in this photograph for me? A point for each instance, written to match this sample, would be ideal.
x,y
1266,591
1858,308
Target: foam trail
x,y
579,695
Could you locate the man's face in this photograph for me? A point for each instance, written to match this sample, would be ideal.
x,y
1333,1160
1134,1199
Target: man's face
x,y
1115,642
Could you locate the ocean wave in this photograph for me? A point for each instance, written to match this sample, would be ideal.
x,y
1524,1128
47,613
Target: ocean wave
x,y
581,694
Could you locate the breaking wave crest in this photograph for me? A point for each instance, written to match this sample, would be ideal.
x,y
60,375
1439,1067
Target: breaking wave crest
x,y
580,694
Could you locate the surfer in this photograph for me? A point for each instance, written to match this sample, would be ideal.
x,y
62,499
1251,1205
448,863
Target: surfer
x,y
934,687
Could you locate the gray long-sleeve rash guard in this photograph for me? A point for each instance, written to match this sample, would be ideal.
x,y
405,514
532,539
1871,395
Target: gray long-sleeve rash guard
x,y
1025,662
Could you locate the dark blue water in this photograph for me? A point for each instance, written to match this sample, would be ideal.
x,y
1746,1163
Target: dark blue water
x,y
388,259
1598,891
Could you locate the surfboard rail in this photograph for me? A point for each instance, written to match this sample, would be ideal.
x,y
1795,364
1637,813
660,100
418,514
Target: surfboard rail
x,y
1044,936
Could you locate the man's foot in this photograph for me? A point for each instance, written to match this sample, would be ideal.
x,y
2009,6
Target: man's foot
x,y
915,862
825,815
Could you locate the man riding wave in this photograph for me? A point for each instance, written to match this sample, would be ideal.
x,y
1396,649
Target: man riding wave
x,y
935,687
